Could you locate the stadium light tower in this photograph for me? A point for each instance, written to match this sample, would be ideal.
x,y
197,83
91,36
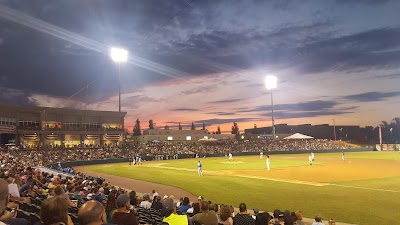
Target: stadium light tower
x,y
119,56
271,83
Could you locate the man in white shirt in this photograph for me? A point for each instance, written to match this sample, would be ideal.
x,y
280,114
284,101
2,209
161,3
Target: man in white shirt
x,y
230,157
146,202
268,161
261,155
310,159
154,194
318,220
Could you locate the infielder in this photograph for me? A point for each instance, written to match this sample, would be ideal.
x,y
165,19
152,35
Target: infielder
x,y
199,170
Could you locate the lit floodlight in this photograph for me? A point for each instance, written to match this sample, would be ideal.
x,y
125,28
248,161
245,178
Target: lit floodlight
x,y
270,82
119,55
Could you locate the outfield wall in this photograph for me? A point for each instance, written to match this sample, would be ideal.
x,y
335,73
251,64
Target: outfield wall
x,y
184,156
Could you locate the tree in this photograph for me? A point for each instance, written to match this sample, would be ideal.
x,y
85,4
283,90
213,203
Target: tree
x,y
180,126
151,125
218,130
193,127
166,127
136,129
235,128
204,126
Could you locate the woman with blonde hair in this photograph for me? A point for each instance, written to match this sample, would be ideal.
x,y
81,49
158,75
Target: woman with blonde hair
x,y
299,217
225,215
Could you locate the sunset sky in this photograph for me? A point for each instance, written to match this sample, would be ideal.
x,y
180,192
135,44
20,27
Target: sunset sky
x,y
206,60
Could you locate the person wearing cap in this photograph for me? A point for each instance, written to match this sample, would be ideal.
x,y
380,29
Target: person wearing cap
x,y
206,216
169,212
123,215
277,219
146,202
256,211
243,218
199,168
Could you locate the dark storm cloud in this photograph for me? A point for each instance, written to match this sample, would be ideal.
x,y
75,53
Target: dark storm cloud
x,y
390,76
302,110
200,89
215,121
372,96
368,2
227,101
302,106
294,115
222,113
361,51
186,109
14,97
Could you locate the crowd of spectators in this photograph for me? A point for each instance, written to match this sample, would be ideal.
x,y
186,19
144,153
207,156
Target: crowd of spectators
x,y
44,197
162,150
30,194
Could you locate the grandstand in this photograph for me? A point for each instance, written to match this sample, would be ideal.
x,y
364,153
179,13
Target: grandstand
x,y
36,183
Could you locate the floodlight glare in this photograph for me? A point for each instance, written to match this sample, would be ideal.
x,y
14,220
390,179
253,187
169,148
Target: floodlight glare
x,y
270,82
119,55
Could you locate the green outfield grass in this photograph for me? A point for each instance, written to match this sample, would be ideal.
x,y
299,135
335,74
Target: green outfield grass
x,y
363,189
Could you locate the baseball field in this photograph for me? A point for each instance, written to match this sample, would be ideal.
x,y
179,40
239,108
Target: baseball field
x,y
362,189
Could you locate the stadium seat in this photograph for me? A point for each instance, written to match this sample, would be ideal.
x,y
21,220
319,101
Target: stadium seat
x,y
34,218
74,218
23,214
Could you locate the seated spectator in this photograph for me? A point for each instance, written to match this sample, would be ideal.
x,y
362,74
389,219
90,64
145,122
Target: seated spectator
x,y
133,198
59,191
287,218
225,216
27,186
6,216
206,216
110,206
178,204
146,202
194,210
318,220
55,211
157,205
277,217
169,213
76,190
154,194
262,218
255,211
92,213
243,218
185,205
123,215
299,218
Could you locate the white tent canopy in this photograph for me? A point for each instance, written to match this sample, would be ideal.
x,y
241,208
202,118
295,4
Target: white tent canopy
x,y
208,139
298,136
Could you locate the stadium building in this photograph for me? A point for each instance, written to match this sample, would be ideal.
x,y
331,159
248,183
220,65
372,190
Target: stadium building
x,y
163,135
322,131
51,127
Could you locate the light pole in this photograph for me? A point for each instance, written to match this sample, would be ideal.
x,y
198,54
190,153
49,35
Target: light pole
x,y
119,56
334,129
271,83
